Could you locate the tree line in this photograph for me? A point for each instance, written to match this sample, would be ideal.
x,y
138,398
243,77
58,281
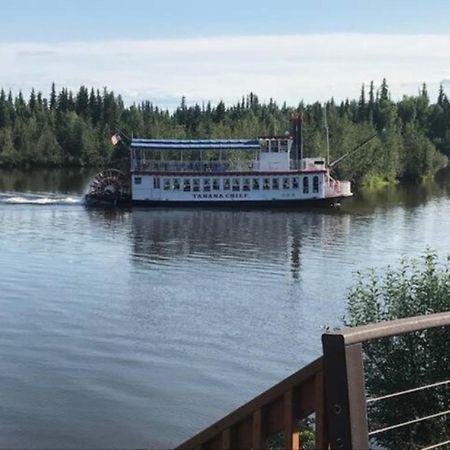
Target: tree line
x,y
74,129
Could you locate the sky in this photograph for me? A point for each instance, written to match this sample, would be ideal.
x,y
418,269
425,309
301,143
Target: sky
x,y
212,50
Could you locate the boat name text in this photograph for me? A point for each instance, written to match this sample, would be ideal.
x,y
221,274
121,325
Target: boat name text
x,y
218,195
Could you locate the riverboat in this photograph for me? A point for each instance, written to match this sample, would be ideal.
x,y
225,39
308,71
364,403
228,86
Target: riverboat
x,y
214,172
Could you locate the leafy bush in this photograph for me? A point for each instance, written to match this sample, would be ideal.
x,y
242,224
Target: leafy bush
x,y
415,288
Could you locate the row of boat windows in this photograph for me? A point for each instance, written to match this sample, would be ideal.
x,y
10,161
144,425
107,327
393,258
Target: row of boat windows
x,y
234,184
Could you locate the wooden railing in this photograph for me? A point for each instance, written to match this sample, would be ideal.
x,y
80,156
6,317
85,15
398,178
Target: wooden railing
x,y
330,392
277,410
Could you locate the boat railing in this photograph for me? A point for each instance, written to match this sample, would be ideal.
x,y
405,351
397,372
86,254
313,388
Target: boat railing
x,y
216,166
334,188
194,166
308,164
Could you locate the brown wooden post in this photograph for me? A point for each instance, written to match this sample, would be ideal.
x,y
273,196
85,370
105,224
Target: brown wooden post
x,y
357,396
257,433
226,439
320,432
345,396
291,435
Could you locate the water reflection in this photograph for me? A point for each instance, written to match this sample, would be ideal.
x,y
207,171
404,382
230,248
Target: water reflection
x,y
254,237
407,195
65,180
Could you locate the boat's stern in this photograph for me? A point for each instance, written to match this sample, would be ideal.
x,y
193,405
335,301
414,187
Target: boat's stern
x,y
335,189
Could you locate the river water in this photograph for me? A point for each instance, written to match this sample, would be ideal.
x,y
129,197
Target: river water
x,y
137,328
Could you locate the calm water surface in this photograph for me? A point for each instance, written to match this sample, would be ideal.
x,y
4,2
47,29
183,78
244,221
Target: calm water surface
x,y
138,328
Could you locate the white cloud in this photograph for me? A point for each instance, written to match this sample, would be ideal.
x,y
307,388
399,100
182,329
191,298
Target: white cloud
x,y
291,68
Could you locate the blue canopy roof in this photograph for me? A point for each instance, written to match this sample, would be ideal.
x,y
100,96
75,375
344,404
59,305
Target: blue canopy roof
x,y
196,144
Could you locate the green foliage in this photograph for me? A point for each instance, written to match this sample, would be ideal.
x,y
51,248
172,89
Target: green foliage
x,y
306,434
73,129
373,181
421,157
416,287
8,153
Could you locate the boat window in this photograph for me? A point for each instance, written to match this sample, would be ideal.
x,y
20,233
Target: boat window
x,y
255,184
294,182
137,180
166,184
266,183
206,184
264,145
283,145
156,183
246,184
275,183
286,183
226,184
176,184
315,184
274,145
236,184
216,184
196,184
187,185
305,185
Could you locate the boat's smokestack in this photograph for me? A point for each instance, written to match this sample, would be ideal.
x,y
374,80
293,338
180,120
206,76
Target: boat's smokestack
x,y
297,134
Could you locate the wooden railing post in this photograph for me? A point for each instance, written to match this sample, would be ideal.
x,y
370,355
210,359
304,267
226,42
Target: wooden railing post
x,y
345,396
257,430
291,434
226,439
321,429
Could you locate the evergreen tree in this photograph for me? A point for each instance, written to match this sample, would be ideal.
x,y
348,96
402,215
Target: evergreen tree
x,y
20,106
5,120
384,90
53,97
8,153
32,103
371,104
407,109
424,92
82,102
361,116
442,98
219,112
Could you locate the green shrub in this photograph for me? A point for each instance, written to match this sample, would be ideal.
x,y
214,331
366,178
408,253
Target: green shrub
x,y
415,288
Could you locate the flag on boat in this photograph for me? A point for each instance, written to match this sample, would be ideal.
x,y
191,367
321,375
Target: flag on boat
x,y
115,139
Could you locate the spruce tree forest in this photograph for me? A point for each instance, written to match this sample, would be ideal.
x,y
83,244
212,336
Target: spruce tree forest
x,y
71,129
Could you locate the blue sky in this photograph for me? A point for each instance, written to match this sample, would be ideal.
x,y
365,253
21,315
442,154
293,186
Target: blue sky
x,y
221,50
64,20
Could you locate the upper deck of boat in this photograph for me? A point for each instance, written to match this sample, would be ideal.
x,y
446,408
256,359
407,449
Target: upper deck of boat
x,y
219,156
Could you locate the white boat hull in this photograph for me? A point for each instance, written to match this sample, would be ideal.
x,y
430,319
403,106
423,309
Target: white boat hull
x,y
285,188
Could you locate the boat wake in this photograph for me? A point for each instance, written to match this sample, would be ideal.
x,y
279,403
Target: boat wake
x,y
43,198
